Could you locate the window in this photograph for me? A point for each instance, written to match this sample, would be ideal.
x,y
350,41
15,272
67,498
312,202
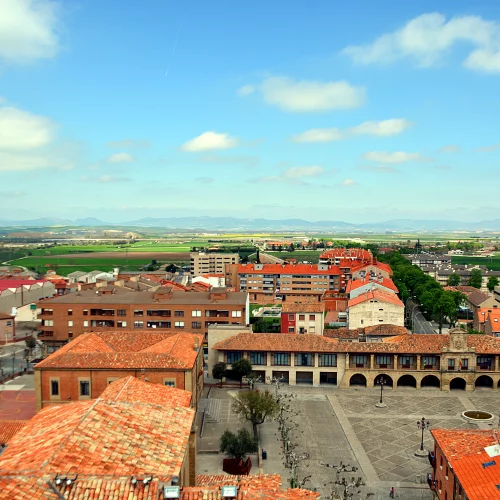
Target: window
x,y
291,317
70,323
484,362
359,361
178,313
328,360
362,321
138,324
85,312
138,313
312,329
70,335
48,322
236,314
179,324
233,356
84,388
121,324
196,314
406,361
302,317
383,361
464,364
451,364
257,358
304,359
312,317
54,387
281,359
70,312
85,323
429,361
169,382
291,329
196,325
121,312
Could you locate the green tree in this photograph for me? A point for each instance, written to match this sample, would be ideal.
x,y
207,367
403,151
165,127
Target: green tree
x,y
219,371
291,248
238,445
492,283
255,406
444,307
30,342
242,368
476,278
454,279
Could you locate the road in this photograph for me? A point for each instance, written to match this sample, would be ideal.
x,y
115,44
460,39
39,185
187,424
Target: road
x,y
420,324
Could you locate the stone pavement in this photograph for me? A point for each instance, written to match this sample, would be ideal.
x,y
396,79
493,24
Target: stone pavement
x,y
345,426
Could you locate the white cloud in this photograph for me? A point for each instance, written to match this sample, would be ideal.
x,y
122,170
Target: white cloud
x,y
299,172
310,96
28,30
121,158
427,38
21,131
450,148
246,90
384,128
319,135
488,149
27,161
209,141
397,157
348,182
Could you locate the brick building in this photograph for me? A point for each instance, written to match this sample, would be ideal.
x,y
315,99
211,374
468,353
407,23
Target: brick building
x,y
204,263
7,329
302,318
116,308
130,441
466,464
453,361
82,369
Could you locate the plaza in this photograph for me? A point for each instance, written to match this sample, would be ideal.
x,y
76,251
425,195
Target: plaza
x,y
343,425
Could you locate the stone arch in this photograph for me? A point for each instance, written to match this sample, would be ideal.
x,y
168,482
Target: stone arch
x,y
458,383
358,380
430,381
407,381
387,378
484,381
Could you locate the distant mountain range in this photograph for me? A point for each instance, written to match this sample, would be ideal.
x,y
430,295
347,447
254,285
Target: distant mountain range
x,y
235,224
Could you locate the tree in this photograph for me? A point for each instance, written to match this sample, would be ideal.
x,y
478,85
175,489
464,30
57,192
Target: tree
x,y
255,406
219,371
242,368
238,445
30,342
492,283
454,279
291,248
476,278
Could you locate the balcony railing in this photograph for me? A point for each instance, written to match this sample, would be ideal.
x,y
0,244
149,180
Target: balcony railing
x,y
412,366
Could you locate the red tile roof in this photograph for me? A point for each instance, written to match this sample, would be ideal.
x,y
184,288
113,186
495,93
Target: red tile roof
x,y
133,390
9,283
384,282
9,428
277,342
298,307
464,450
385,329
6,316
494,320
376,294
129,349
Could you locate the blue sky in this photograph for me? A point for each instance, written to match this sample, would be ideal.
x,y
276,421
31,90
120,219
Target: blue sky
x,y
358,111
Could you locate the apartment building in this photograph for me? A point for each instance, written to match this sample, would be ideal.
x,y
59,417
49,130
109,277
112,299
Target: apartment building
x,y
83,368
303,318
449,361
120,309
289,282
357,287
210,263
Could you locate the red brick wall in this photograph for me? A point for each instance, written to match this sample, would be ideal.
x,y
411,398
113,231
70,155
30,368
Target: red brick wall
x,y
444,476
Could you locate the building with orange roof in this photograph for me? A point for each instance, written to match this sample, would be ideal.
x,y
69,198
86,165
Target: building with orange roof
x,y
101,448
356,287
466,464
449,361
8,429
374,307
492,323
83,368
298,317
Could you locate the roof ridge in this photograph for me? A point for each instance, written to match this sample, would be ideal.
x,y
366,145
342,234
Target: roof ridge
x,y
124,385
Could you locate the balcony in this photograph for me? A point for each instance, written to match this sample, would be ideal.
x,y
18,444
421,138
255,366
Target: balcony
x,y
432,483
384,366
359,365
102,312
102,324
411,366
217,314
485,367
163,314
432,459
429,367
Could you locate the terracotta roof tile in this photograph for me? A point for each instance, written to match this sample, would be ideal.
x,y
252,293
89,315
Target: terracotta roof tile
x,y
377,283
376,294
129,349
9,428
297,307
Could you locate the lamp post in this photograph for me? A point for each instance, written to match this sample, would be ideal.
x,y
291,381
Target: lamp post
x,y
422,425
381,382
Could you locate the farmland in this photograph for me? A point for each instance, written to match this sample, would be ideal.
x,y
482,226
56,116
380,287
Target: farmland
x,y
492,263
299,255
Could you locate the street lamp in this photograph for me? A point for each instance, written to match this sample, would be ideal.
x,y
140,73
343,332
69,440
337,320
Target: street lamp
x,y
422,424
381,382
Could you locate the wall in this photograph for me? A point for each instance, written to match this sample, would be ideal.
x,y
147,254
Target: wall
x,y
7,330
368,314
9,299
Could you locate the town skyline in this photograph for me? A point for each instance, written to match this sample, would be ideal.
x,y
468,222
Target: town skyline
x,y
356,112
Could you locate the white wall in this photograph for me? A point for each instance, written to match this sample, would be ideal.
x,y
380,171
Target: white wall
x,y
369,314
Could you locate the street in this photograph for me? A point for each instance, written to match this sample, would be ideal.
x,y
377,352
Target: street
x,y
417,320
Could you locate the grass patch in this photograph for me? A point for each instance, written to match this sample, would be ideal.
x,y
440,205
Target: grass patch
x,y
299,255
492,263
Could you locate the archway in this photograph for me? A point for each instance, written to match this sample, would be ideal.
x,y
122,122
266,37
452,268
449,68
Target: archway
x,y
430,381
357,380
484,382
407,381
387,379
457,384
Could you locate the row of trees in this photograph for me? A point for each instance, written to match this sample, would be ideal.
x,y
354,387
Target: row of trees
x,y
412,282
475,280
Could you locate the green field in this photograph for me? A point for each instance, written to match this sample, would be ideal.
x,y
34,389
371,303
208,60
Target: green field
x,y
138,247
492,263
299,255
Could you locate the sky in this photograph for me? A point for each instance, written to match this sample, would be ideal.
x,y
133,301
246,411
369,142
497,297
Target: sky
x,y
359,111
